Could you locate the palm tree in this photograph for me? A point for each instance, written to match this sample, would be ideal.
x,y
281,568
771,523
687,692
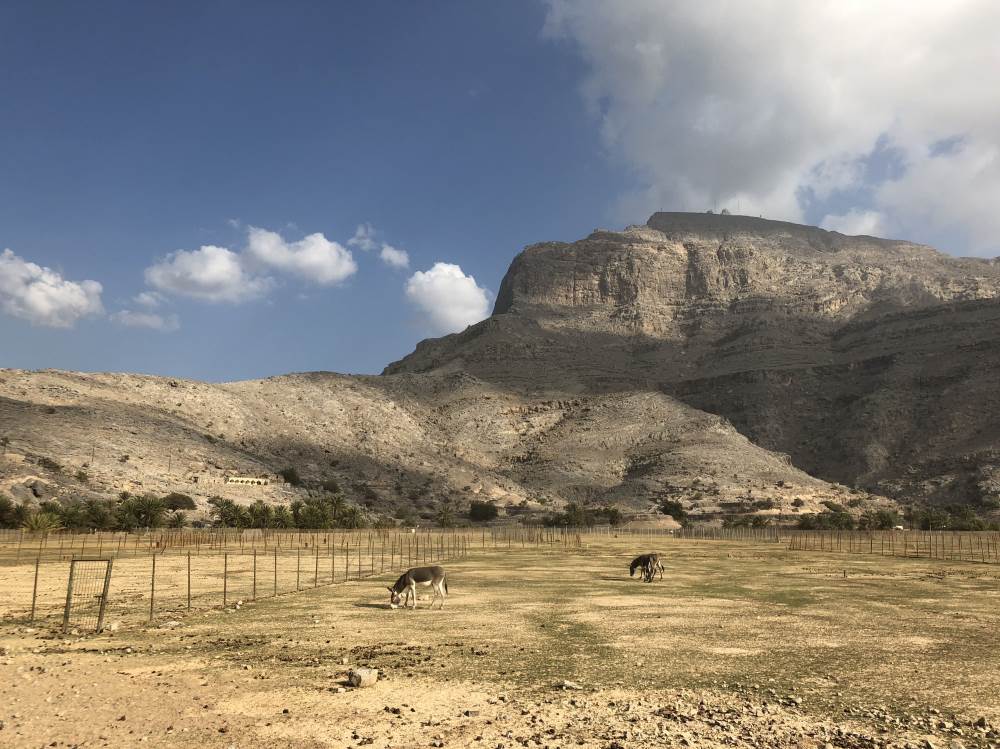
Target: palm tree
x,y
283,518
151,511
41,522
227,513
178,519
446,517
337,505
352,517
100,514
260,514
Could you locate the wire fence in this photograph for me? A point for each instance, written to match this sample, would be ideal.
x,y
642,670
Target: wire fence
x,y
959,546
179,572
168,572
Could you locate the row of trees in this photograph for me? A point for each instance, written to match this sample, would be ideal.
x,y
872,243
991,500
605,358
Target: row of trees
x,y
328,511
126,513
573,515
130,512
951,517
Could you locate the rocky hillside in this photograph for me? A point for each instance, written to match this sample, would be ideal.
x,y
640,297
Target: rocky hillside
x,y
730,362
869,362
401,445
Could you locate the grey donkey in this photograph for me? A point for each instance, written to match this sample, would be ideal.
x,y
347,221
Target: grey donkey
x,y
426,577
649,564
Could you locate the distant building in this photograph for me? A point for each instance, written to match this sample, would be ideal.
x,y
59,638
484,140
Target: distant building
x,y
247,480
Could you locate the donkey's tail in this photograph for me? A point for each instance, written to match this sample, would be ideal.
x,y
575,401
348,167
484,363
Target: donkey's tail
x,y
446,585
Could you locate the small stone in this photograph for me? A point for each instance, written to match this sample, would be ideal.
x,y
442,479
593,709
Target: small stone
x,y
565,684
362,677
470,713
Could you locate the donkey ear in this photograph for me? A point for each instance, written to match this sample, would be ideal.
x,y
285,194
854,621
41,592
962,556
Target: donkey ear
x,y
389,588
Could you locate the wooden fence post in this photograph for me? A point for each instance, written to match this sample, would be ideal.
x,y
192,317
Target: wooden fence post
x,y
34,589
152,588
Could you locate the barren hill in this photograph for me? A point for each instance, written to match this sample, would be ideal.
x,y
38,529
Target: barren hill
x,y
401,445
723,360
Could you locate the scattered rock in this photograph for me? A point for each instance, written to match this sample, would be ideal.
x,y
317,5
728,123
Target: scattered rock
x,y
565,684
362,677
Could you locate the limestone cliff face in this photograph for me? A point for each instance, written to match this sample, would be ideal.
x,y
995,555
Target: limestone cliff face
x,y
869,361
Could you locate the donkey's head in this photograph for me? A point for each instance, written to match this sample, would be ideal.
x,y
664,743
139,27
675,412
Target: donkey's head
x,y
394,598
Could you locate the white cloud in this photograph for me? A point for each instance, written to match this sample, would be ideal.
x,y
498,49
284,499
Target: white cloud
x,y
448,299
151,320
857,221
212,274
394,258
42,296
364,238
314,258
777,103
148,299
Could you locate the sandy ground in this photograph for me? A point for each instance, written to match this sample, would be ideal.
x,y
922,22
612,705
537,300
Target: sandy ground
x,y
737,646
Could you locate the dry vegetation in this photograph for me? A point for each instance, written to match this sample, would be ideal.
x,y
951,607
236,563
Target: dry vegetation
x,y
740,645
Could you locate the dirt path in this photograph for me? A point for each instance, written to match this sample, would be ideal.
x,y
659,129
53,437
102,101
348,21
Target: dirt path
x,y
738,646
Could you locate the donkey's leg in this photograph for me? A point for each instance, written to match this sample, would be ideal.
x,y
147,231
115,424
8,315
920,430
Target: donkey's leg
x,y
414,589
439,590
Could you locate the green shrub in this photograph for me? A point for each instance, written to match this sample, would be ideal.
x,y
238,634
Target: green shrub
x,y
872,520
827,521
291,476
8,513
674,509
481,511
177,501
50,464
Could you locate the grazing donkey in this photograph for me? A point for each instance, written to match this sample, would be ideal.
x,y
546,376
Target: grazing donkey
x,y
432,577
648,564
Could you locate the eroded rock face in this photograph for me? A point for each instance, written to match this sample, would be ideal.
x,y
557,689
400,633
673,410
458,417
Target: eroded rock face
x,y
868,361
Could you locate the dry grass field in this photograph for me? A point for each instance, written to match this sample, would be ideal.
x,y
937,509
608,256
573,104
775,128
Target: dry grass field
x,y
740,645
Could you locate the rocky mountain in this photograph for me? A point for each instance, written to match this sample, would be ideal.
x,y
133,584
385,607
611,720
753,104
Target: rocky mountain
x,y
869,362
734,363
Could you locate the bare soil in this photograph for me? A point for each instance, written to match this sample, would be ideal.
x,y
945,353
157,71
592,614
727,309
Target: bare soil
x,y
748,646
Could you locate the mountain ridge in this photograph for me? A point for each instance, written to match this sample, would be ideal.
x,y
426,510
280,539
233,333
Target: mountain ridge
x,y
723,361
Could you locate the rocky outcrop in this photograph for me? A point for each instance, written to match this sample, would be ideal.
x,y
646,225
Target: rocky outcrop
x,y
868,361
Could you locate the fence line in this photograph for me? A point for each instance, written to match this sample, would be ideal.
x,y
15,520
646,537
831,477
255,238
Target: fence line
x,y
218,573
959,546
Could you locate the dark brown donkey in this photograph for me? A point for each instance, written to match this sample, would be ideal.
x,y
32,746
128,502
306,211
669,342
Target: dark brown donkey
x,y
648,564
425,577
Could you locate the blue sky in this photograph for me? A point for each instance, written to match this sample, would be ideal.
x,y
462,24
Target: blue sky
x,y
458,131
137,130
